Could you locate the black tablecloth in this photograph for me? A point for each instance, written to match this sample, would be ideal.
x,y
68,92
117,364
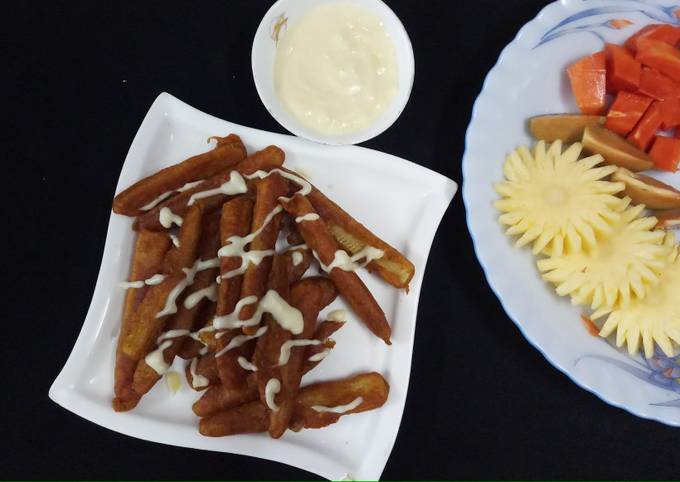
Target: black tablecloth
x,y
79,78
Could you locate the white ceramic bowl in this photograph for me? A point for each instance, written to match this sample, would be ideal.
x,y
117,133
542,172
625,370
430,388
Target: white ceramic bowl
x,y
264,55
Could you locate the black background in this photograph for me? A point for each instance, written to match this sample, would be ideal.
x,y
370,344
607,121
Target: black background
x,y
79,79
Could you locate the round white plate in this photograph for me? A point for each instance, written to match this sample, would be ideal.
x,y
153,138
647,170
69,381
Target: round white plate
x,y
529,79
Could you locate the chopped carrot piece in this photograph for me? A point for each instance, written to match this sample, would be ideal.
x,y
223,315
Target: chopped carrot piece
x,y
666,153
623,71
661,56
626,112
588,82
662,32
644,131
670,113
654,84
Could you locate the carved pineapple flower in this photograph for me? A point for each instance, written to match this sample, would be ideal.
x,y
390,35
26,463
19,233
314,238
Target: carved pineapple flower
x,y
555,200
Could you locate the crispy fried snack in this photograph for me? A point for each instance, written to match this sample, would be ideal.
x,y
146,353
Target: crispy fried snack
x,y
266,159
371,387
353,236
310,296
218,398
235,221
205,370
190,348
145,326
228,151
145,376
268,191
252,417
317,236
150,249
297,266
323,332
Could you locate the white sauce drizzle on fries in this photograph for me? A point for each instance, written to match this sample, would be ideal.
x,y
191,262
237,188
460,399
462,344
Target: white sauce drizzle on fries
x,y
235,185
155,359
194,298
245,364
197,380
171,301
175,240
284,356
288,317
297,258
345,262
337,315
270,390
340,408
317,357
307,217
154,280
166,217
167,194
240,340
305,187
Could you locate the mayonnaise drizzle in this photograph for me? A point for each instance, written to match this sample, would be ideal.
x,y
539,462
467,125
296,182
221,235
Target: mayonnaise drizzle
x,y
337,315
240,340
317,357
284,356
340,408
307,217
288,317
270,390
194,298
230,320
345,262
155,359
166,217
197,380
175,240
167,194
245,364
235,185
171,301
154,280
305,187
297,258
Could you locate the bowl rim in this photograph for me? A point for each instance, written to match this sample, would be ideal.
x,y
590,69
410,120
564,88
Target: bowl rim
x,y
379,125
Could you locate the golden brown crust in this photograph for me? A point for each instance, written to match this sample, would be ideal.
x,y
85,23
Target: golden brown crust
x,y
219,398
228,152
350,286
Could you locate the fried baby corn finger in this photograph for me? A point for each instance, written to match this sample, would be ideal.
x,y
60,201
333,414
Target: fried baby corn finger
x,y
218,398
299,261
314,354
269,158
353,290
310,296
353,236
228,152
322,404
359,393
145,375
202,373
268,191
146,325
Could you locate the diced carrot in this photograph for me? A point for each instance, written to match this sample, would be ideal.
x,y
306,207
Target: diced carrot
x,y
588,83
662,32
666,153
623,71
670,113
661,56
626,111
654,84
644,131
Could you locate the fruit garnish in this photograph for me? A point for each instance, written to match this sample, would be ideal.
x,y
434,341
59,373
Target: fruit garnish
x,y
555,200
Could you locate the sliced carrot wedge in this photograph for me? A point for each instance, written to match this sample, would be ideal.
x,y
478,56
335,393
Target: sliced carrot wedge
x,y
662,32
661,56
588,83
623,71
666,153
644,132
626,112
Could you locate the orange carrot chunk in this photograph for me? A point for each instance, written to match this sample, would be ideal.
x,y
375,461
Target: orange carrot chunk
x,y
644,131
666,153
670,113
588,83
662,32
661,56
654,84
623,71
626,112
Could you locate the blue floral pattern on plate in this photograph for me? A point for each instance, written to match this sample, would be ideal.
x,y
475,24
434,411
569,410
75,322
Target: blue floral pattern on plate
x,y
658,13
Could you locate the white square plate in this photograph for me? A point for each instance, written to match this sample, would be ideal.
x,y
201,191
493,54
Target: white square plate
x,y
400,201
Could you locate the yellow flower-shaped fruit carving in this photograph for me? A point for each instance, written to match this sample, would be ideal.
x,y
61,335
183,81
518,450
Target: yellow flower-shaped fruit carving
x,y
625,262
655,318
555,200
